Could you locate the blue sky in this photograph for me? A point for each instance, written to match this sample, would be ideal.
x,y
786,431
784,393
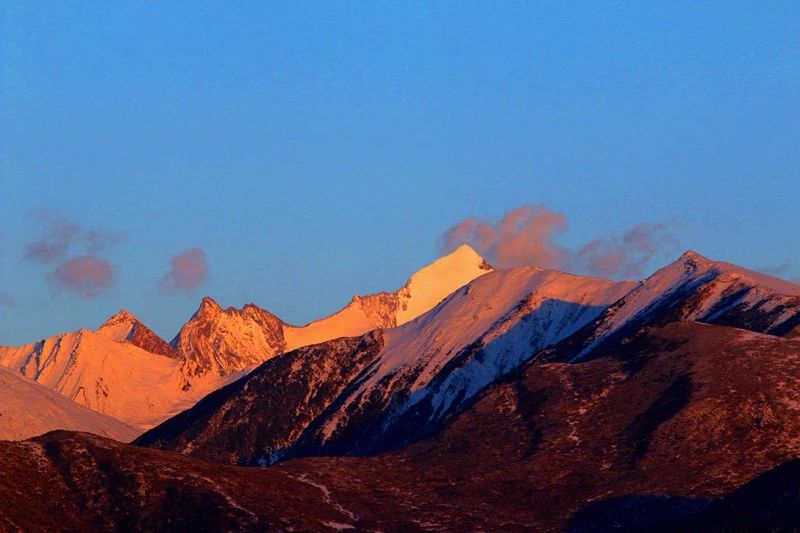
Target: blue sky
x,y
317,150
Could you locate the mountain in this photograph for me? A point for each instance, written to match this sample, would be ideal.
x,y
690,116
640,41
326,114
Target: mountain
x,y
528,399
125,327
28,409
222,341
426,370
270,408
125,370
402,380
78,482
696,288
114,377
690,410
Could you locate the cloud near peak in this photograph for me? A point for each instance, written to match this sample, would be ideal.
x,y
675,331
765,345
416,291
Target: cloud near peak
x,y
526,236
523,236
188,270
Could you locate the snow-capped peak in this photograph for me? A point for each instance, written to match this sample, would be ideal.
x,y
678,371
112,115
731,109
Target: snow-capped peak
x,y
430,284
698,262
123,315
119,326
697,288
124,326
690,257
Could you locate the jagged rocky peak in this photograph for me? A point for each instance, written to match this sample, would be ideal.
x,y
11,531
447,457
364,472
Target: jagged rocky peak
x,y
223,341
208,307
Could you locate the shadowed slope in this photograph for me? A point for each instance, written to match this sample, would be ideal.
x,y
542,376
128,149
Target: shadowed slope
x,y
437,362
688,410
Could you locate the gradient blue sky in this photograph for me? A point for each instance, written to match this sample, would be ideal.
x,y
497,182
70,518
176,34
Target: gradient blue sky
x,y
317,150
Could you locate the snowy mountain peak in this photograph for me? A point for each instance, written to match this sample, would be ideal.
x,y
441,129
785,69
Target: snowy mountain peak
x,y
463,255
124,326
692,257
691,261
122,316
430,284
119,325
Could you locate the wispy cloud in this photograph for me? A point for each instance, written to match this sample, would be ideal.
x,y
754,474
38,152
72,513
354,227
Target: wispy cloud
x,y
61,236
523,236
188,270
75,252
626,255
58,237
526,236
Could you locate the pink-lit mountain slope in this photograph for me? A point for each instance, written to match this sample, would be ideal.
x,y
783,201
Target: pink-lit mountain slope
x,y
28,409
125,370
222,341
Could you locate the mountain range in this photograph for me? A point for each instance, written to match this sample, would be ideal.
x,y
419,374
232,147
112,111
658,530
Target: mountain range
x,y
471,398
124,370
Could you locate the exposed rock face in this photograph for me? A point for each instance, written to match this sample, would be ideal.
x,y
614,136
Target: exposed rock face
x,y
221,342
125,327
380,309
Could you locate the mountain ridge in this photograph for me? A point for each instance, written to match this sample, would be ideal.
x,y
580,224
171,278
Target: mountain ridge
x,y
214,347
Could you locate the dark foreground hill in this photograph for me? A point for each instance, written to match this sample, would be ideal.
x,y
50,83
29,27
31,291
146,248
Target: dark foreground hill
x,y
688,410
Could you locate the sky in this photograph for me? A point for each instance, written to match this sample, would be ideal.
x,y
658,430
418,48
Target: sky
x,y
295,154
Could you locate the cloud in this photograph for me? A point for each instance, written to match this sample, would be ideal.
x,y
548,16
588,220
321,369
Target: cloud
x,y
6,300
87,275
74,250
526,236
189,269
628,254
61,236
